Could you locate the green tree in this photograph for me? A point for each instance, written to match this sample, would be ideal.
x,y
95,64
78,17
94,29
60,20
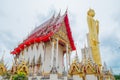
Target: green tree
x,y
117,77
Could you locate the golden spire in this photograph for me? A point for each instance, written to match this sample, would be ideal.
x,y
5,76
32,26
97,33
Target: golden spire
x,y
76,60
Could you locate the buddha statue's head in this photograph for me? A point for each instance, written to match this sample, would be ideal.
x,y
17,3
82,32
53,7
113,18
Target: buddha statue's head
x,y
91,13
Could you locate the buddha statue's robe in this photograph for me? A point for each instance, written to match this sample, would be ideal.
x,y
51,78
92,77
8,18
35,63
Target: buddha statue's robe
x,y
93,40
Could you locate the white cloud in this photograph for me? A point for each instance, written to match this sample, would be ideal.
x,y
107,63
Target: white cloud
x,y
111,58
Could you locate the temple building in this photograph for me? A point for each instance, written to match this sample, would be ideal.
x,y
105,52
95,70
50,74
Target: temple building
x,y
45,47
46,53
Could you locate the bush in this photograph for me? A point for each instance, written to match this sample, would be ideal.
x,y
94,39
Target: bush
x,y
20,76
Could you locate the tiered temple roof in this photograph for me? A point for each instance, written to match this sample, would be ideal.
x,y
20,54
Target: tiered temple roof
x,y
45,31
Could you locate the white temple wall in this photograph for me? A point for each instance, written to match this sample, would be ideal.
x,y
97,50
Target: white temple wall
x,y
20,56
47,55
39,50
31,54
26,54
36,54
77,77
53,77
0,77
60,59
91,77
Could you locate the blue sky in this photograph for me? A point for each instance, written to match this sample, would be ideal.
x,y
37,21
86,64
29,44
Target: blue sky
x,y
19,17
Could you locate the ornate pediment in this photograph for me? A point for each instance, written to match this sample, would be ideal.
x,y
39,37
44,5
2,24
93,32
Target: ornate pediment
x,y
90,69
74,69
61,34
2,69
23,68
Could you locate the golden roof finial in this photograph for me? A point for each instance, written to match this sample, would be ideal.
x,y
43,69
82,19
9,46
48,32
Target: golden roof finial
x,y
76,60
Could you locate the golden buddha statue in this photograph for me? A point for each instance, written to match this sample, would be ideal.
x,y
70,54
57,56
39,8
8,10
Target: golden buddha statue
x,y
93,26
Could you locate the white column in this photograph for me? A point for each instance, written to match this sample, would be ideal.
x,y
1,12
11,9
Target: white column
x,y
35,70
42,55
53,77
36,53
65,78
29,78
67,57
0,77
30,70
52,56
31,54
70,58
20,56
36,58
38,77
57,54
26,55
